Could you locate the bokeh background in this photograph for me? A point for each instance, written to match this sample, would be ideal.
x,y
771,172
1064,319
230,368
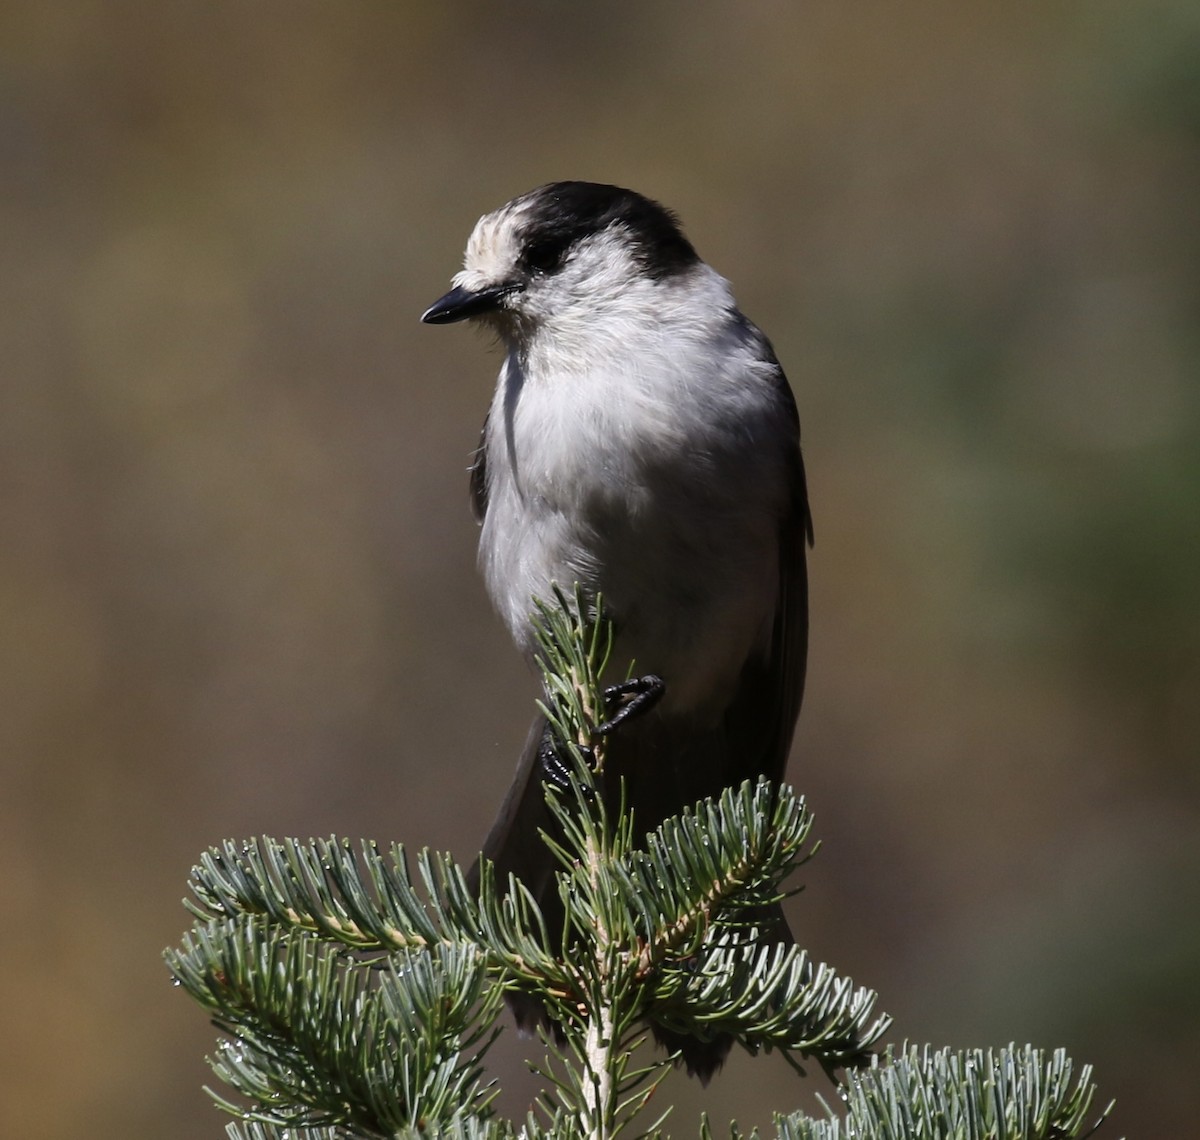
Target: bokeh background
x,y
237,585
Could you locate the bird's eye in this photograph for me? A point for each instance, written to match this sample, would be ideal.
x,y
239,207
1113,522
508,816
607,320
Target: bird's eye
x,y
543,256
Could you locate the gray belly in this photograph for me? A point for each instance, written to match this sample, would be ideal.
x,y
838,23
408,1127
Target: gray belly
x,y
689,580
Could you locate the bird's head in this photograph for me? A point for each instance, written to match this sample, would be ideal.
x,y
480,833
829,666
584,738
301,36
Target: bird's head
x,y
564,252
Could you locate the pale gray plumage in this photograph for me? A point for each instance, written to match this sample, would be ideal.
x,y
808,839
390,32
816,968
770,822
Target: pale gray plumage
x,y
642,442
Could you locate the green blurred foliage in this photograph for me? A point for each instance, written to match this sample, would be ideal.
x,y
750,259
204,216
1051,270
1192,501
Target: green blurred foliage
x,y
238,592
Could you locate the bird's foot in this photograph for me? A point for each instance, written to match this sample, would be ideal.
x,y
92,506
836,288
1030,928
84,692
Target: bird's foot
x,y
556,764
625,702
629,700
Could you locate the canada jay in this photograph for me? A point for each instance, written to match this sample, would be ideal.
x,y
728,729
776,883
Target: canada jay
x,y
642,442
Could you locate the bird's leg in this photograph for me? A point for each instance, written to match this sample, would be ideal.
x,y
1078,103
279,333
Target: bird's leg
x,y
630,699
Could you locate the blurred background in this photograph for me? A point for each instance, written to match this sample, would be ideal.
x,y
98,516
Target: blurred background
x,y
237,588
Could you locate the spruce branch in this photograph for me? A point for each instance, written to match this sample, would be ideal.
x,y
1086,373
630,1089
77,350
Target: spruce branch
x,y
575,644
369,901
318,1039
772,997
574,647
919,1093
357,989
459,1128
740,847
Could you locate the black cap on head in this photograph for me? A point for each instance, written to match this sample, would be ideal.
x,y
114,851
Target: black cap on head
x,y
563,213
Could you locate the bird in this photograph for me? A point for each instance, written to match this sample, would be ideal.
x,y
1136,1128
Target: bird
x,y
642,444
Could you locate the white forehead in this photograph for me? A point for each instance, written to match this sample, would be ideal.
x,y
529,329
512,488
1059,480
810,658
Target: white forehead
x,y
494,246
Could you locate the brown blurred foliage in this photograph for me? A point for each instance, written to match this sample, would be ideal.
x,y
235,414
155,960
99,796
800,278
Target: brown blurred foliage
x,y
237,587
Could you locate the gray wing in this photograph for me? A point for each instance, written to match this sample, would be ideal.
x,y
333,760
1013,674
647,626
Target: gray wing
x,y
760,720
772,690
762,717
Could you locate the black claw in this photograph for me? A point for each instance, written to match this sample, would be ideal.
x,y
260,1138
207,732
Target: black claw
x,y
554,767
630,699
555,763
